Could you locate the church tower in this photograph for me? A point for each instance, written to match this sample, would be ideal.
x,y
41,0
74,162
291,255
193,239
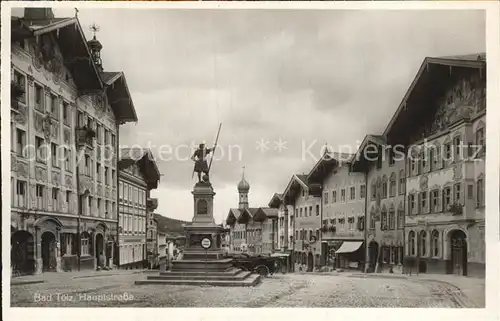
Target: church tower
x,y
243,188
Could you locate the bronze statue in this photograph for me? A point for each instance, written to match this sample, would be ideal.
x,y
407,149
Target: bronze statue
x,y
200,162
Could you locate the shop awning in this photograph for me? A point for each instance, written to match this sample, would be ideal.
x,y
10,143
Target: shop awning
x,y
349,247
280,254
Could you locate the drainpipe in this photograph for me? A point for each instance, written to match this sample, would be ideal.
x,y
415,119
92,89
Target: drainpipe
x,y
78,198
117,182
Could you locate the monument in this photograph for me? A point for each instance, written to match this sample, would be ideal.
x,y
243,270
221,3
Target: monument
x,y
203,261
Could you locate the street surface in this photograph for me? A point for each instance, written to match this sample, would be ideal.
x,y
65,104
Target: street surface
x,y
289,290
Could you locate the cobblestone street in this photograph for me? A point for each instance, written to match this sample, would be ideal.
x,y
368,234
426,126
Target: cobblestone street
x,y
290,290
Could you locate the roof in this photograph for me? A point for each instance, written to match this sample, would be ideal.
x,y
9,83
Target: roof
x,y
369,140
71,42
297,180
145,160
422,85
119,96
325,164
276,200
251,213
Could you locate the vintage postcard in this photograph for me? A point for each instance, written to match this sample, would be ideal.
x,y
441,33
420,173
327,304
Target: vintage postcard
x,y
250,155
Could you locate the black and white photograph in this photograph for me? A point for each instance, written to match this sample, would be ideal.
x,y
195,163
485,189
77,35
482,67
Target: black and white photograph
x,y
224,157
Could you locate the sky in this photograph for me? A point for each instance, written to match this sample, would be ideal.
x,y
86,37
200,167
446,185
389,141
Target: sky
x,y
283,83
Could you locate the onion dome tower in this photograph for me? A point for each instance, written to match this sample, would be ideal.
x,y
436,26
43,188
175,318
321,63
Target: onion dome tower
x,y
243,188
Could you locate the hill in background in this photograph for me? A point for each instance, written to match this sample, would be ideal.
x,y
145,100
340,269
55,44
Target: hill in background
x,y
170,225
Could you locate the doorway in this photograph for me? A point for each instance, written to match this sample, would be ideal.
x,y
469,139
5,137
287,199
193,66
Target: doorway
x,y
48,252
22,253
459,252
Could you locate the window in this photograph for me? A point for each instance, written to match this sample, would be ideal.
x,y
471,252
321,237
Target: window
x,y
113,139
423,202
66,113
120,190
392,219
402,182
99,206
342,195
21,193
384,187
374,190
54,110
383,223
90,123
89,206
411,204
40,196
334,196
325,198
458,148
300,214
411,242
68,197
423,243
81,119
113,178
480,141
458,193
435,201
87,165
391,156
67,159
310,210
470,191
53,149
85,245
20,142
447,153
352,193
38,98
436,157
39,146
99,133
106,175
401,217
98,166
106,136
372,221
446,197
423,160
106,209
435,243
362,191
480,193
317,210
20,80
55,199
305,211
413,165
392,185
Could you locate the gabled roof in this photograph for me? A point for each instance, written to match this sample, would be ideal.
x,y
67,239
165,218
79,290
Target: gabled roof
x,y
297,181
72,43
325,164
370,140
425,84
276,200
252,213
146,162
119,96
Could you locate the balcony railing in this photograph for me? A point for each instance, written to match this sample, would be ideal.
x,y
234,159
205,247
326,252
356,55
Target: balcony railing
x,y
85,137
152,204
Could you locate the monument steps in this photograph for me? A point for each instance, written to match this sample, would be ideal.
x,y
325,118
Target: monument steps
x,y
250,280
207,276
230,271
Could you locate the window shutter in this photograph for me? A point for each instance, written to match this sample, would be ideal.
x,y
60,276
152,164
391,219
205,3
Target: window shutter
x,y
428,203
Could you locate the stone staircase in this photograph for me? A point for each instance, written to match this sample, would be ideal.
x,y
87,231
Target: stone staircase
x,y
230,277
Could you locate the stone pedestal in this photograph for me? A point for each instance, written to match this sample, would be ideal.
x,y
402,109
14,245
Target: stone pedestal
x,y
199,266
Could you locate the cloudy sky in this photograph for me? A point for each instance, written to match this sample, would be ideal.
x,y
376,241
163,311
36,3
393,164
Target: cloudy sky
x,y
291,79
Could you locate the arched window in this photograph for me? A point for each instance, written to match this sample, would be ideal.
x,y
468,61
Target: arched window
x,y
435,243
392,185
383,223
384,186
372,218
392,218
401,216
411,242
374,189
423,243
402,182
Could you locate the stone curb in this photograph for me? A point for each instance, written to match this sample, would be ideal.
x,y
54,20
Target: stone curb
x,y
26,282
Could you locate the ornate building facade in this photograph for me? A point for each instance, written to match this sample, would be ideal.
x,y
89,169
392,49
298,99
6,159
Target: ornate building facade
x,y
343,210
139,174
306,221
445,222
64,127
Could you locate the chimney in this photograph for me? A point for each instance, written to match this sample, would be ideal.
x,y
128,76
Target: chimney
x,y
38,13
